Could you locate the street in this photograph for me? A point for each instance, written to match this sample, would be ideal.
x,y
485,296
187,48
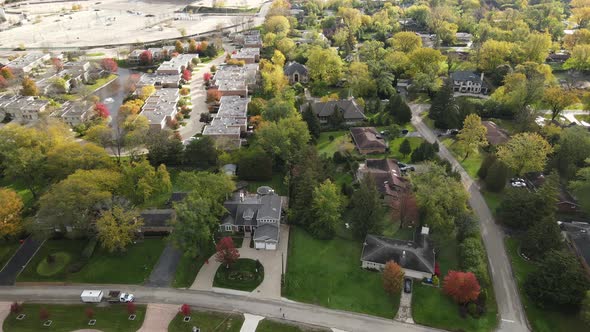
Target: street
x,y
511,312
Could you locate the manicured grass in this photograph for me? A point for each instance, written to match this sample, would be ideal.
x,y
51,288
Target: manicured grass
x,y
60,260
130,267
241,275
267,325
541,320
394,148
208,322
473,161
341,142
102,81
95,54
66,318
328,273
25,194
189,267
277,183
7,249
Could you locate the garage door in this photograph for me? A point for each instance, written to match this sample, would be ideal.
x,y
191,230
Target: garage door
x,y
271,246
259,245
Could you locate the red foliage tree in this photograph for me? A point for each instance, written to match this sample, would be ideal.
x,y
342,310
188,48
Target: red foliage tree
x,y
101,110
187,75
213,95
109,65
146,58
6,73
185,309
43,313
89,313
3,82
393,278
207,77
57,64
131,308
463,287
436,269
174,54
16,308
226,251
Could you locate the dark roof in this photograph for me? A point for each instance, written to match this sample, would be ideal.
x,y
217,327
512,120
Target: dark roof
x,y
407,254
178,196
295,67
367,138
579,235
495,135
267,232
350,110
465,76
385,172
157,217
245,209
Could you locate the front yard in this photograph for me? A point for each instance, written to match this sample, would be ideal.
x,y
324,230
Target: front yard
x,y
66,318
208,322
328,273
268,325
243,275
7,249
130,267
541,320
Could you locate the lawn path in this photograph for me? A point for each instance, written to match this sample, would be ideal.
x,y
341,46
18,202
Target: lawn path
x,y
250,323
157,317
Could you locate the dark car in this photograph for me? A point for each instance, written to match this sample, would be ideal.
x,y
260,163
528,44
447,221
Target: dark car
x,y
407,285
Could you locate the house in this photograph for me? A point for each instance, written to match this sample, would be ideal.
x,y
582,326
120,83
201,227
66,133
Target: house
x,y
229,122
232,87
566,203
388,179
159,81
157,220
558,57
350,110
464,38
296,72
134,58
175,65
247,54
160,108
416,258
26,63
368,140
247,73
259,213
495,135
468,82
75,114
22,109
577,236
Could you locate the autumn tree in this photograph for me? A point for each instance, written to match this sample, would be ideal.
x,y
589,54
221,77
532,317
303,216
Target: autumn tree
x,y
29,87
473,135
405,41
109,65
187,75
277,24
143,183
117,228
558,99
57,64
146,91
6,73
101,110
227,253
179,47
326,209
462,287
185,309
393,278
525,152
324,65
68,157
129,133
10,212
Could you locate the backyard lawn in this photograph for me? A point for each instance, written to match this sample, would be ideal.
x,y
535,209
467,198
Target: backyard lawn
x,y
130,267
277,183
66,318
267,325
341,141
328,273
242,275
208,322
542,320
471,164
7,249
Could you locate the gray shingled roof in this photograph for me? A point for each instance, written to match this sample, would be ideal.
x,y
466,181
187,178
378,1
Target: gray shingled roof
x,y
350,110
407,254
157,217
295,67
267,232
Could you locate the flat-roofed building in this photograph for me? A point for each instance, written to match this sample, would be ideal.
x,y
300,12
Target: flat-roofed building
x,y
75,114
160,108
176,65
23,109
26,63
247,54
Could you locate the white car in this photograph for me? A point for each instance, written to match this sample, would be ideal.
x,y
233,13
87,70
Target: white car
x,y
518,184
126,297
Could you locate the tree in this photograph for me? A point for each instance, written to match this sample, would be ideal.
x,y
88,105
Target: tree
x,y
10,212
131,308
142,183
117,228
558,99
89,312
581,187
130,131
227,253
360,80
201,153
425,151
473,135
426,65
109,65
187,75
279,108
283,139
494,53
193,47
393,278
544,235
585,308
324,65
405,148
559,281
444,109
462,287
367,213
525,152
579,59
496,176
66,158
313,123
306,174
146,91
571,151
57,64
326,209
185,309
277,24
179,47
101,111
29,87
254,164
6,73
405,41
164,148
44,314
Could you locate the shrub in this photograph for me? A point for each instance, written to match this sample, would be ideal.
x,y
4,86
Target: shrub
x,y
50,259
185,309
393,278
461,286
338,157
482,172
435,281
331,138
131,308
89,313
472,309
16,308
496,177
44,313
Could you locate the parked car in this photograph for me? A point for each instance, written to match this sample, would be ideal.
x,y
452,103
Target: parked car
x,y
118,296
407,285
404,168
518,183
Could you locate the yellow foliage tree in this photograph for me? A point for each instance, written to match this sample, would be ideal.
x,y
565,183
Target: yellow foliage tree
x,y
117,228
10,212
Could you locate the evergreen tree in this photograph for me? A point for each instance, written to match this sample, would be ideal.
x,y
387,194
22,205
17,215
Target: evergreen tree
x,y
542,237
405,148
496,176
367,209
444,110
306,175
403,114
313,123
336,119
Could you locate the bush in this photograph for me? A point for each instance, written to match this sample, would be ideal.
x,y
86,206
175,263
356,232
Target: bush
x,y
425,151
472,309
89,248
338,157
43,313
331,138
89,313
467,227
482,172
50,259
435,281
16,308
496,177
131,308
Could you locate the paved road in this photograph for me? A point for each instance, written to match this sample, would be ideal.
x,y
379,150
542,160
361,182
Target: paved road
x,y
18,262
511,312
296,312
163,274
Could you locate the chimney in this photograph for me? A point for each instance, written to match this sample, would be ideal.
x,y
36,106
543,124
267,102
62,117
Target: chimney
x,y
481,77
402,260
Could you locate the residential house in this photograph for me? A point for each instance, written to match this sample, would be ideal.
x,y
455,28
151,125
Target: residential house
x,y
75,114
468,82
577,235
157,220
176,65
134,58
464,38
259,213
388,180
351,111
495,135
296,72
159,81
247,54
229,122
558,57
417,259
250,39
247,73
232,88
368,140
26,63
22,109
160,108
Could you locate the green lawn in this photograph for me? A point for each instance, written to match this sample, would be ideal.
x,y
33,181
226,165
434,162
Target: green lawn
x,y
493,200
66,318
471,164
583,117
241,275
208,322
277,183
7,249
267,325
341,141
328,273
95,54
542,320
394,148
130,267
25,194
102,81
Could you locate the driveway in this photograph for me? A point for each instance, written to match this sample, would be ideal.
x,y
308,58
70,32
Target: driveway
x,y
158,316
404,314
164,271
272,260
509,306
19,261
